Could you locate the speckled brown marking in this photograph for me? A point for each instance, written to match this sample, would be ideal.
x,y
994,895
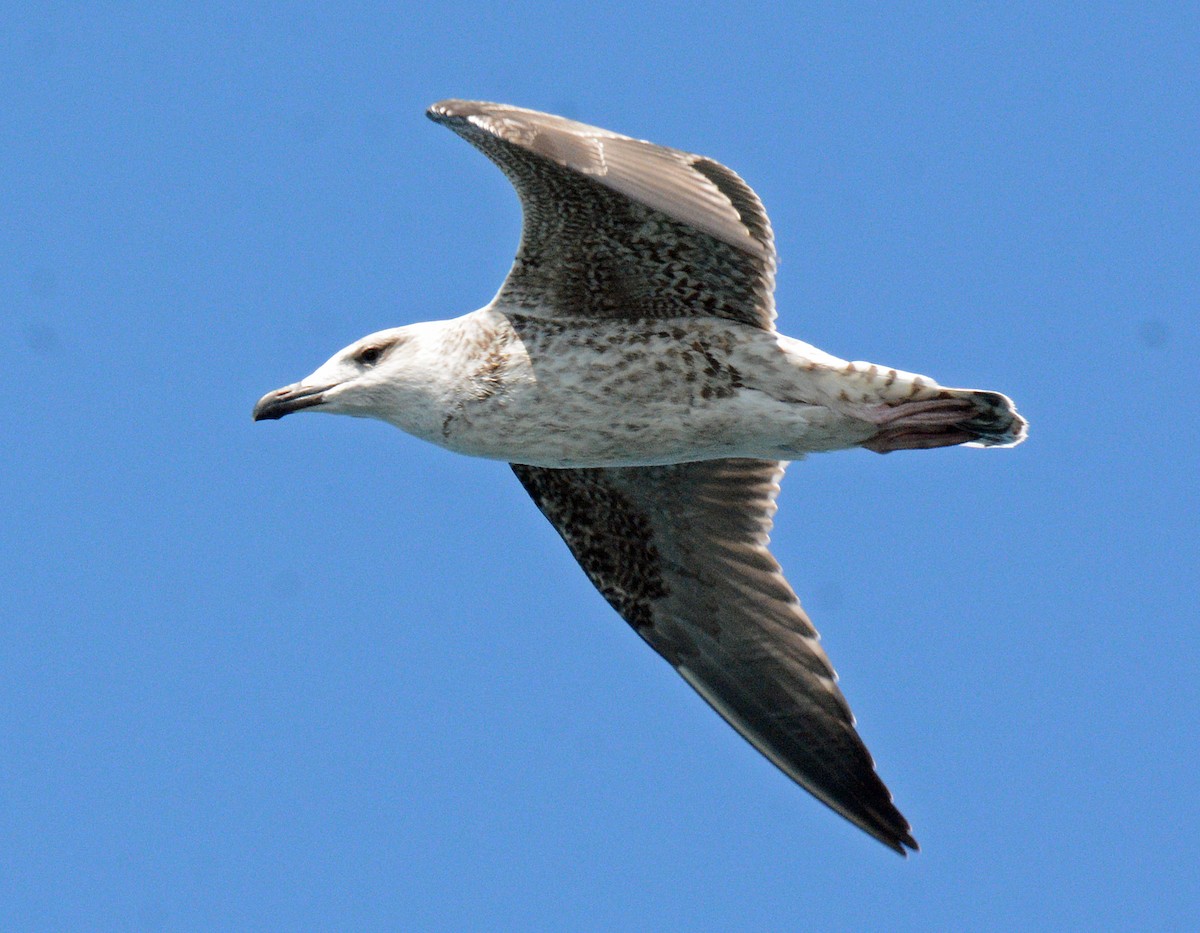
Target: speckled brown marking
x,y
713,367
588,251
488,379
488,352
612,540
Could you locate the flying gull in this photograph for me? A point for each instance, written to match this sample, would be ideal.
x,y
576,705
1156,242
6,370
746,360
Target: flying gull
x,y
630,371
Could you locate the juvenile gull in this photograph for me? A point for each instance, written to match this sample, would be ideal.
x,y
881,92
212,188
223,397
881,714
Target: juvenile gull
x,y
630,372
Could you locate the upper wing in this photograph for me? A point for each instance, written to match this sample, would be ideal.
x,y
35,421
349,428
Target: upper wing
x,y
681,553
618,227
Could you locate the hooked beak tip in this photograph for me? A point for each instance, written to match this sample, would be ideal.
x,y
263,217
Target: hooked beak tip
x,y
284,401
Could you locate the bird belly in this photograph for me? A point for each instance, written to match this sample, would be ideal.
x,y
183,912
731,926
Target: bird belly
x,y
622,396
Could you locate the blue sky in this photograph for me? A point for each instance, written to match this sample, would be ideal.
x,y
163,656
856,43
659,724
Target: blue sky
x,y
318,675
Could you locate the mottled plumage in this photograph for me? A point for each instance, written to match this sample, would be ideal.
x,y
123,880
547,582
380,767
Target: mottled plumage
x,y
630,371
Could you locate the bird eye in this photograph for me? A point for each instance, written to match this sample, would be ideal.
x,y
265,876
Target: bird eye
x,y
369,355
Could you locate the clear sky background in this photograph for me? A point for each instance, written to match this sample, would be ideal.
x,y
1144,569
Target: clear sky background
x,y
315,674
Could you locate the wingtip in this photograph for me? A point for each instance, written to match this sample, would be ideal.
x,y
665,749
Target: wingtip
x,y
441,110
901,845
453,108
892,829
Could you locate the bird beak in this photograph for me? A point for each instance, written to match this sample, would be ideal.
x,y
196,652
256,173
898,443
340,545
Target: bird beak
x,y
287,400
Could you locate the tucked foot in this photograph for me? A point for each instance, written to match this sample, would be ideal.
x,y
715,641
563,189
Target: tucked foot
x,y
955,416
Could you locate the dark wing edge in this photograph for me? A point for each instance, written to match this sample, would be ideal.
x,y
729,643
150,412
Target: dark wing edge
x,y
681,553
552,160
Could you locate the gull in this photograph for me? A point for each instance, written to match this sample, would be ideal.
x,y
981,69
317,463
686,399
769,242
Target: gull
x,y
630,372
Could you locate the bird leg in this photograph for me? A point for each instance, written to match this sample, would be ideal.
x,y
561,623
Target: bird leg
x,y
917,425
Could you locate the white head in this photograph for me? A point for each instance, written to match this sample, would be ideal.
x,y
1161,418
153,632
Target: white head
x,y
395,375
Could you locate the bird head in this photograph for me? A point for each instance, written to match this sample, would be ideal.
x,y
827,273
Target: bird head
x,y
366,379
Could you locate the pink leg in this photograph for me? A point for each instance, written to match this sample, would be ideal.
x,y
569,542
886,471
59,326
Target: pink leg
x,y
919,438
940,422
